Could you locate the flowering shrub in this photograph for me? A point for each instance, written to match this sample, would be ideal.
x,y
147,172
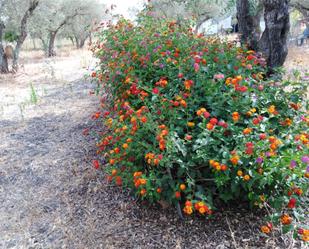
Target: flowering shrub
x,y
191,120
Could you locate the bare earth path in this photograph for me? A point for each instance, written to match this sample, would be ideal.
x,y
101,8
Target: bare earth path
x,y
51,197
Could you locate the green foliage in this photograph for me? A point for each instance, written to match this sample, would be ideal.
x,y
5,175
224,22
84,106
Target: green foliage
x,y
192,120
33,95
10,36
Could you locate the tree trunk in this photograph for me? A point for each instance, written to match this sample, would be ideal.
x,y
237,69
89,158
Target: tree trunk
x,y
72,40
4,66
44,44
51,44
16,57
200,22
82,42
76,41
23,32
273,43
90,38
249,25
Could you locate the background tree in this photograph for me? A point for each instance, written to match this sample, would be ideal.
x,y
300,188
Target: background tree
x,y
303,7
53,16
79,29
3,59
14,18
198,10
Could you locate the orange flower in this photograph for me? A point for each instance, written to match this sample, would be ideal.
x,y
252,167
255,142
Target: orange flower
x,y
143,191
246,177
118,181
125,146
223,167
114,172
188,84
144,119
143,181
265,229
234,160
156,161
305,238
164,133
285,219
188,210
239,173
272,110
191,124
183,103
247,131
210,126
202,210
235,116
182,187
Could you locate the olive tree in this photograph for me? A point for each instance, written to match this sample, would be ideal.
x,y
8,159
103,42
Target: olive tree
x,y
53,16
80,28
272,43
14,19
199,10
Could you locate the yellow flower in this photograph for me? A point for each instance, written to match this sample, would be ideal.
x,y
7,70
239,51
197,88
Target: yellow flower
x,y
262,198
191,124
272,109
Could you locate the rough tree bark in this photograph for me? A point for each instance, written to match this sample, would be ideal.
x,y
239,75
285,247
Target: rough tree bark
x,y
273,43
51,43
23,32
248,24
82,42
4,67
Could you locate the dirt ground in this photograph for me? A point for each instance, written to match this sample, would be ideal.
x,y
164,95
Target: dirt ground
x,y
50,195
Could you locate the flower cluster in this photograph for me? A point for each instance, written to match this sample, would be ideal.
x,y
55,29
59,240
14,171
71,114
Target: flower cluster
x,y
191,119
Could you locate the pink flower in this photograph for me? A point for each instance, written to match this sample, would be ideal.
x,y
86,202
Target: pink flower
x,y
219,76
206,114
196,67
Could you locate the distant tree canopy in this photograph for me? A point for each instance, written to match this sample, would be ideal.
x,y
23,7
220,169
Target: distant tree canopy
x,y
44,20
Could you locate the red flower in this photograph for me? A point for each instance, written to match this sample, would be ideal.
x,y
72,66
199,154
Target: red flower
x,y
256,121
213,121
292,203
155,91
177,194
262,136
96,164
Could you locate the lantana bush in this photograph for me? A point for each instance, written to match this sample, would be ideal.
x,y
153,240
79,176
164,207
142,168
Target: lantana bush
x,y
194,121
